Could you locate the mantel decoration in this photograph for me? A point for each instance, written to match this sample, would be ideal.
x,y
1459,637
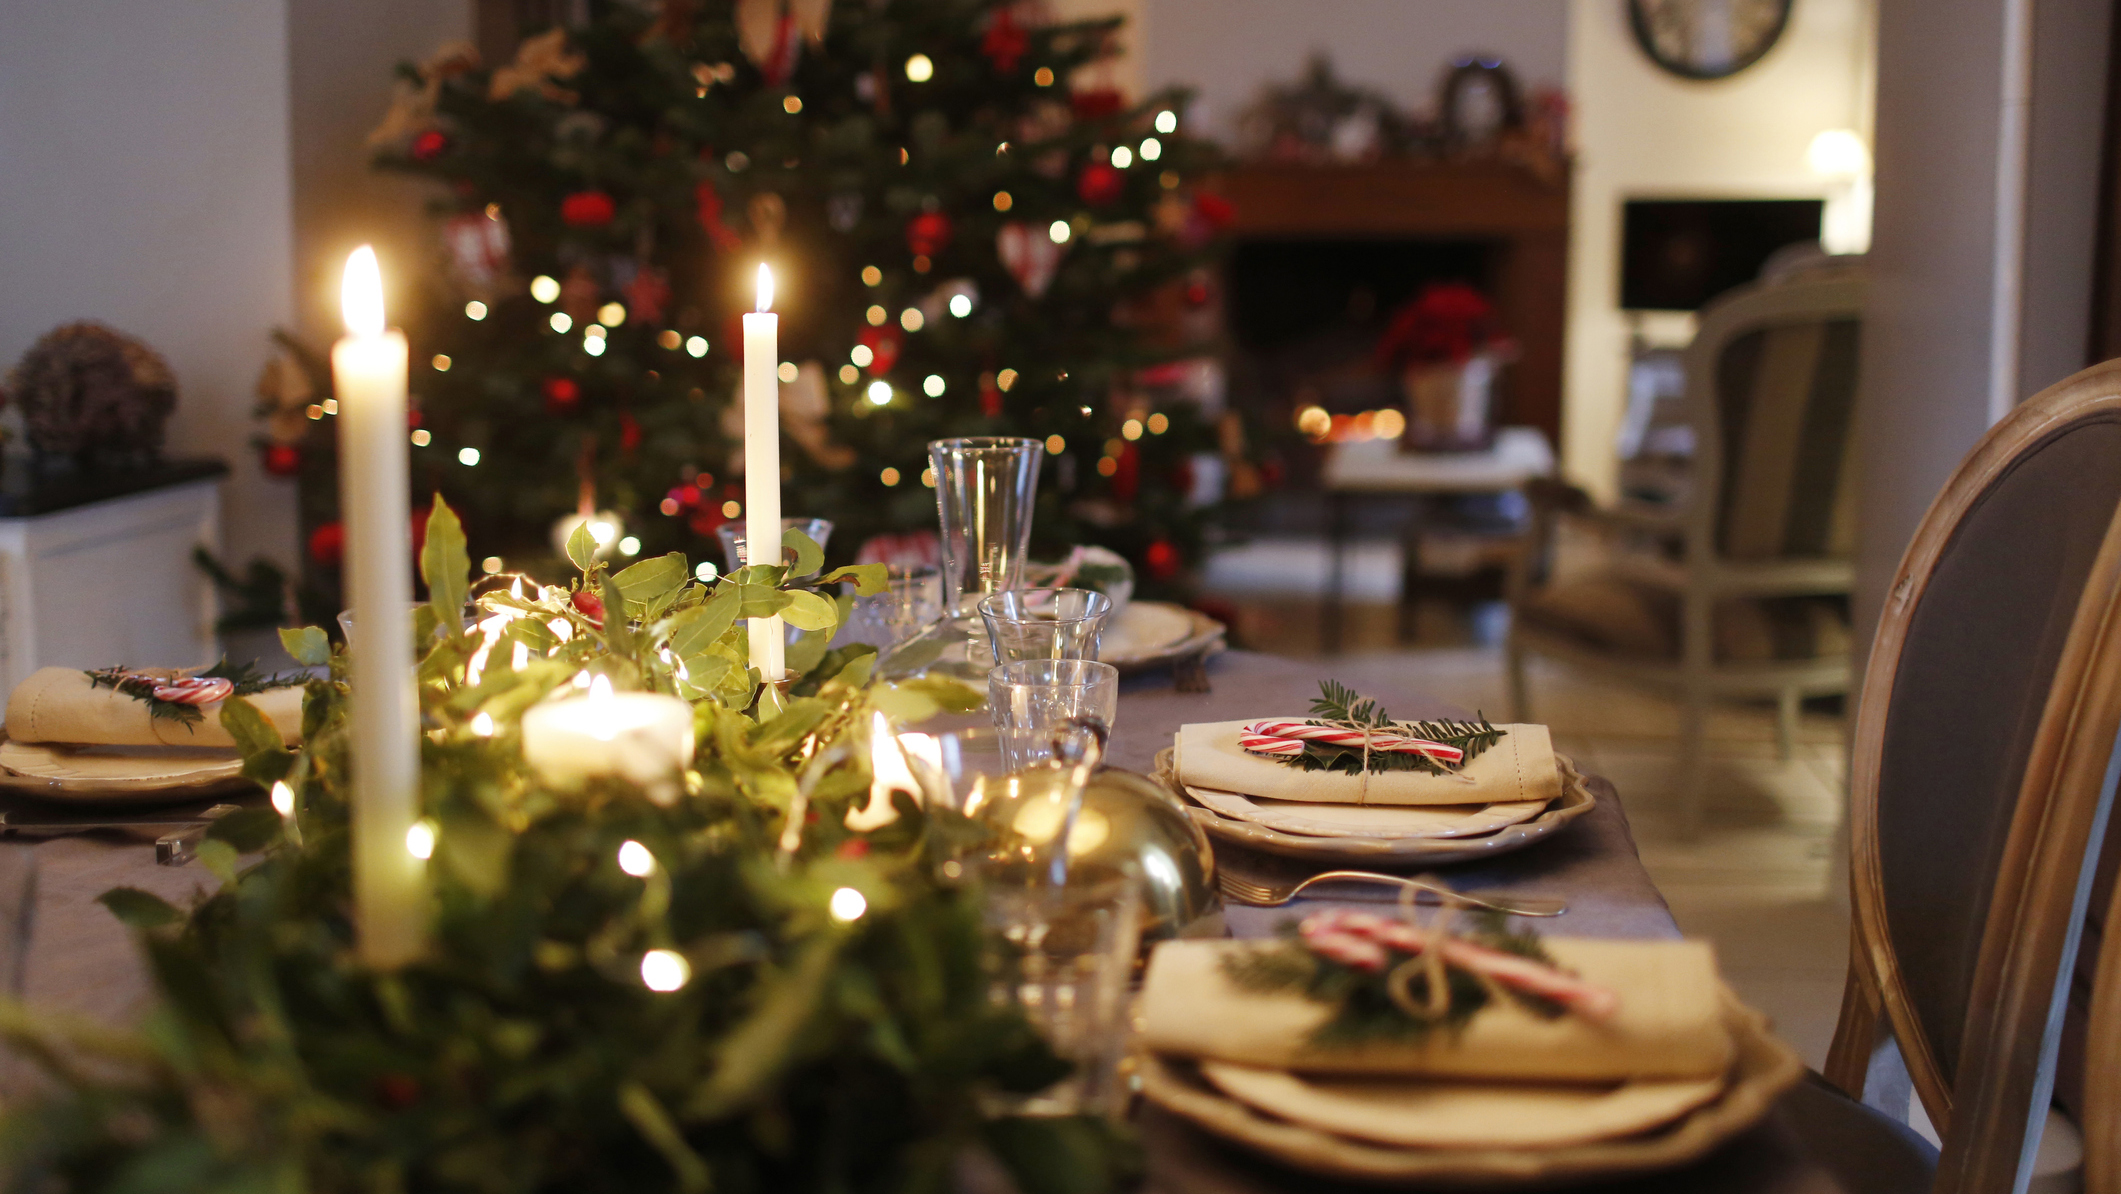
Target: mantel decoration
x,y
971,239
92,397
707,983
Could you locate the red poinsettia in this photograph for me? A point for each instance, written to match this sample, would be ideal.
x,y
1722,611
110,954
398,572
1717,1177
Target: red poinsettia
x,y
1005,42
883,344
1446,323
588,209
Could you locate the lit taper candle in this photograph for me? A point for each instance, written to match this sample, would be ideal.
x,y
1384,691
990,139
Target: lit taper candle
x,y
762,467
368,369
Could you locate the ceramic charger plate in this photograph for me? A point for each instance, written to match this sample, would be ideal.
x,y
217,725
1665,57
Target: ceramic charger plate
x,y
1764,1069
1575,800
1149,634
134,775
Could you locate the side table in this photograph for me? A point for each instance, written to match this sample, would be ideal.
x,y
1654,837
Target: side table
x,y
96,567
1377,467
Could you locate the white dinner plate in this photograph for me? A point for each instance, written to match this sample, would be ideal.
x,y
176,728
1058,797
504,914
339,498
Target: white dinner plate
x,y
134,775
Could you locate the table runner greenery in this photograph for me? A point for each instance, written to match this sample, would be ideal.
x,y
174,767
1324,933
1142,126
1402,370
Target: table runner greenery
x,y
523,1052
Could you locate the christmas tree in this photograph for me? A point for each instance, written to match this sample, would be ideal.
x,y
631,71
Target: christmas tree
x,y
962,246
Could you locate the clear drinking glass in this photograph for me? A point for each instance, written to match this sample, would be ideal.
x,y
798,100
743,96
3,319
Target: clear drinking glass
x,y
1045,623
984,491
731,534
1032,700
1067,959
912,598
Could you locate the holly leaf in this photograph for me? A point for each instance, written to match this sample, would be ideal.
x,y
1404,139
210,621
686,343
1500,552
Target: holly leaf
x,y
139,909
582,547
869,579
643,584
446,566
809,611
308,646
809,557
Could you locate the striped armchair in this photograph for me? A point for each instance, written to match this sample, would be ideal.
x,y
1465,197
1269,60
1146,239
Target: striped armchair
x,y
1739,589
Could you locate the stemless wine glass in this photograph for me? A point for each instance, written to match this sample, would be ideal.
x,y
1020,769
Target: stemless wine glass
x,y
1032,700
912,598
731,534
984,490
1067,961
1045,623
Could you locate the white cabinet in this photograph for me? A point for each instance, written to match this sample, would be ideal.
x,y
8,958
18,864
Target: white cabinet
x,y
110,581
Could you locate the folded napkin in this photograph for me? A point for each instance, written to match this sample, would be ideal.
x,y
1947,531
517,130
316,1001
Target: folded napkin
x,y
1520,767
1669,1023
59,704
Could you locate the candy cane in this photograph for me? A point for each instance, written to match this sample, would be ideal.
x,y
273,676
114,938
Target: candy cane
x,y
1592,1002
1260,735
194,690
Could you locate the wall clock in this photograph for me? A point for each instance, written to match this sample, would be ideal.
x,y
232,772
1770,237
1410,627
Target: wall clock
x,y
1707,39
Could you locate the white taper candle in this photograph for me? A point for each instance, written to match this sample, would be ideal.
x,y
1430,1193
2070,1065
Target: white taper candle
x,y
762,467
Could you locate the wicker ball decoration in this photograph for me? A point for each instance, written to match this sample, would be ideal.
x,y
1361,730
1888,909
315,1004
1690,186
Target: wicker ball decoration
x,y
93,395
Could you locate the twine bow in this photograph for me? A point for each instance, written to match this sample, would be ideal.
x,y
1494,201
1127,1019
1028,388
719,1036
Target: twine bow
x,y
1289,738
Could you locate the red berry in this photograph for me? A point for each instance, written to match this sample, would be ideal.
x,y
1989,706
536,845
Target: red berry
x,y
588,209
589,605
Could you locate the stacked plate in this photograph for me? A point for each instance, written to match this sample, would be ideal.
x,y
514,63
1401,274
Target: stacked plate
x,y
1150,634
1409,834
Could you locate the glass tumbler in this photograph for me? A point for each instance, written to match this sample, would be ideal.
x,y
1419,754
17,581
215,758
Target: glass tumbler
x,y
731,534
1045,623
985,487
1033,700
1067,958
912,598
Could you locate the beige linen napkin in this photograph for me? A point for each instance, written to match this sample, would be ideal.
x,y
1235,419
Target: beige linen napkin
x,y
60,704
1670,1023
1520,767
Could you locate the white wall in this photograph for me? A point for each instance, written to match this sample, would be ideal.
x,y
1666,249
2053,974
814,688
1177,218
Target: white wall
x,y
1229,49
1641,131
144,181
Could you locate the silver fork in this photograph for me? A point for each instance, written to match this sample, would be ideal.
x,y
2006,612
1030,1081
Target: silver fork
x,y
1273,895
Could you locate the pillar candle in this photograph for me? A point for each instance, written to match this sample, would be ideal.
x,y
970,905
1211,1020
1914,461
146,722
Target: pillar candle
x,y
368,372
762,468
644,738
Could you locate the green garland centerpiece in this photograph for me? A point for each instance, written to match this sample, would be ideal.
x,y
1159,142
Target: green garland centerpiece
x,y
617,994
1352,734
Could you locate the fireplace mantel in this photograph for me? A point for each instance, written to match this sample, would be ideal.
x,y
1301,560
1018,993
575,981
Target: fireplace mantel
x,y
1496,201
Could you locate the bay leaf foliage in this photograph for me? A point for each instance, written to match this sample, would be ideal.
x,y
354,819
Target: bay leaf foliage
x,y
522,1050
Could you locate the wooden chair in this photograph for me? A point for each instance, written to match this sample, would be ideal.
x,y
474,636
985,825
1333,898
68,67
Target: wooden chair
x,y
1740,592
1982,777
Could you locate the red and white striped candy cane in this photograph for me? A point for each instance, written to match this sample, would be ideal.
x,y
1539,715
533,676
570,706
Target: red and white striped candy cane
x,y
1288,738
1589,1000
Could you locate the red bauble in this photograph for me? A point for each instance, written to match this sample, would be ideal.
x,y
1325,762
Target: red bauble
x,y
589,605
1127,476
883,344
588,209
629,433
562,394
990,398
1100,184
1214,210
927,233
709,204
429,145
1162,559
282,460
1005,42
1097,103
327,545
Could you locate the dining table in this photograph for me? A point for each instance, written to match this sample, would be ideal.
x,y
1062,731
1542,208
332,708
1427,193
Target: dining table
x,y
69,954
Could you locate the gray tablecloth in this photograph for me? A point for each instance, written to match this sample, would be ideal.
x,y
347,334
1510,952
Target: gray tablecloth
x,y
79,959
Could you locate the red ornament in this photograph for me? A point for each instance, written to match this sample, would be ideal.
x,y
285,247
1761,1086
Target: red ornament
x,y
1100,184
1097,103
709,203
327,545
647,295
561,394
629,433
927,233
1005,42
1162,560
282,460
429,145
589,605
1127,474
990,398
588,209
883,344
1214,210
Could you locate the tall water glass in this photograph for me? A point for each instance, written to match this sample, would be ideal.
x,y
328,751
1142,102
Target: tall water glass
x,y
731,534
985,487
1045,623
1033,700
1068,955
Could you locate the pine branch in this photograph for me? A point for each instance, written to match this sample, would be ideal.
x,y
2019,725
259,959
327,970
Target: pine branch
x,y
1338,704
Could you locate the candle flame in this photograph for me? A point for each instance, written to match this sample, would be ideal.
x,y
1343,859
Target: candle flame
x,y
361,294
600,691
888,774
765,288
